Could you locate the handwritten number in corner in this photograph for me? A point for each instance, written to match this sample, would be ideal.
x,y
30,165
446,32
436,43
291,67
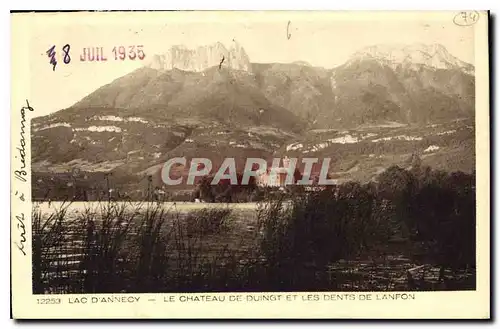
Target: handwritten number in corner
x,y
52,54
466,18
67,58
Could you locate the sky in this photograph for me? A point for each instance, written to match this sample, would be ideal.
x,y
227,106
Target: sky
x,y
321,39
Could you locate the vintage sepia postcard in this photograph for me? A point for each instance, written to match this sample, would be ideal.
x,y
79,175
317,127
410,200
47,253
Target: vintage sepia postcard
x,y
322,165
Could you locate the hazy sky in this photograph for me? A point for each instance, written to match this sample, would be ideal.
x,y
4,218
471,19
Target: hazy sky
x,y
321,39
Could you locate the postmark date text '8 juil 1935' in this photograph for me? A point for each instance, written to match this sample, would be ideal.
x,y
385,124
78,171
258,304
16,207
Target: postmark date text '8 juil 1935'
x,y
100,54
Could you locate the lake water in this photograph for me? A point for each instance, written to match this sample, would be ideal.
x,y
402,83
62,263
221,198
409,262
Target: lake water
x,y
78,206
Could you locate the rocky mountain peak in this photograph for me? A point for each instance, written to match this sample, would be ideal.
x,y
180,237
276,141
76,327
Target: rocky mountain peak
x,y
202,58
412,56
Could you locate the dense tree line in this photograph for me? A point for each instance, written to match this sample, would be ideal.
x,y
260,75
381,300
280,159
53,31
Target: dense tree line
x,y
431,213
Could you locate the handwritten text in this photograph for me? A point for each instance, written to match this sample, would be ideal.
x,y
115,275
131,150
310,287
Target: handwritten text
x,y
20,173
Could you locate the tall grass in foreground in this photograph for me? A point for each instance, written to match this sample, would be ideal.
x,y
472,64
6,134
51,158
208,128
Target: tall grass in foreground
x,y
49,236
127,247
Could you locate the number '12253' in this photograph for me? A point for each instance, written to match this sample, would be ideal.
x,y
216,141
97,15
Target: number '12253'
x,y
132,52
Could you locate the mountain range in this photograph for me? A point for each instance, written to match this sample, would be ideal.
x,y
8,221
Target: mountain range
x,y
213,101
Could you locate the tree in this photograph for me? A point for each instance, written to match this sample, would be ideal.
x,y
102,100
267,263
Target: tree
x,y
443,211
398,186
